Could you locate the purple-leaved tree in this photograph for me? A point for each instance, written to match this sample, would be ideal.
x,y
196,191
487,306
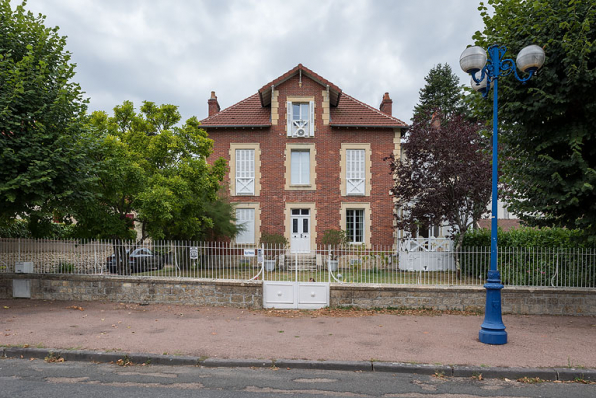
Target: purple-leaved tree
x,y
443,176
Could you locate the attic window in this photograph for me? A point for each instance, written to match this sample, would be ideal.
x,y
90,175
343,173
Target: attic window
x,y
301,119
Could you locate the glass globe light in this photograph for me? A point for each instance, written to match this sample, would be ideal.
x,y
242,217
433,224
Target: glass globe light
x,y
530,58
472,59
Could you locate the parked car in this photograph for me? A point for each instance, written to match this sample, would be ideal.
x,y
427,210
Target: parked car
x,y
140,260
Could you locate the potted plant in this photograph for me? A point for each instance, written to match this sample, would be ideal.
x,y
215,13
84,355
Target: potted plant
x,y
273,243
337,239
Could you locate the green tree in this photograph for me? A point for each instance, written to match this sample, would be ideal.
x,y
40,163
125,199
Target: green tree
x,y
442,91
152,171
42,156
548,126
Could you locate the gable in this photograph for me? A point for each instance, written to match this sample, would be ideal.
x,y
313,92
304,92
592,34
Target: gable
x,y
300,70
342,110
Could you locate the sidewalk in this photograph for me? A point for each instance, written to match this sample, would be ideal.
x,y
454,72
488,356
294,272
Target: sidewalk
x,y
325,336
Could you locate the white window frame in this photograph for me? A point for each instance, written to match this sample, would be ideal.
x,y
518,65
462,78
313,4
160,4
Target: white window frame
x,y
362,213
303,127
245,171
300,167
365,207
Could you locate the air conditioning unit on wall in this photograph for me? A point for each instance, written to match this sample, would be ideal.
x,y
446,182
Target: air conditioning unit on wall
x,y
301,132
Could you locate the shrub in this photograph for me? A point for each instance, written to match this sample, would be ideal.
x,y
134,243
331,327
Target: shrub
x,y
532,257
528,237
334,237
275,239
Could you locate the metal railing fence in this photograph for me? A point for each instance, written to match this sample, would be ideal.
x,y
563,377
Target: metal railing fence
x,y
535,266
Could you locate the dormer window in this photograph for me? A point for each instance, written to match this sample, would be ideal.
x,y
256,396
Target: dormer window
x,y
301,119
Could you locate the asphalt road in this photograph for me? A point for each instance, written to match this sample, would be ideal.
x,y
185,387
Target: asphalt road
x,y
37,378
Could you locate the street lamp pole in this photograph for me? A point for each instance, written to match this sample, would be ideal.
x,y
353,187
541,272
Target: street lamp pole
x,y
472,61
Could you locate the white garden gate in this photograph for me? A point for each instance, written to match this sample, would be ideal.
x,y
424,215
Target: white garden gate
x,y
293,282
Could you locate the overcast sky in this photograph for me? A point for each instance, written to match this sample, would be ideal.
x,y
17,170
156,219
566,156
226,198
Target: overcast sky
x,y
178,51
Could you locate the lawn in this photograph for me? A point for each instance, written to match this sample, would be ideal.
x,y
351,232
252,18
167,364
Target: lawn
x,y
342,275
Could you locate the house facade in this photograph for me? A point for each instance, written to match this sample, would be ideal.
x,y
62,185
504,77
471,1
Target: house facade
x,y
305,158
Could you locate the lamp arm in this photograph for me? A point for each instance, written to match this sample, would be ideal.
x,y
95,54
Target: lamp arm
x,y
507,66
484,73
524,79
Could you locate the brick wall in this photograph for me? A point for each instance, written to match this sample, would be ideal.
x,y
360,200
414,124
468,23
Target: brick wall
x,y
518,300
327,141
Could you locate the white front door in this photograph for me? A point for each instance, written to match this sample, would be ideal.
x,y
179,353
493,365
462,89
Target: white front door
x,y
300,237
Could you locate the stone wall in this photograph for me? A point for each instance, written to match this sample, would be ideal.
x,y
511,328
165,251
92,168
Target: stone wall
x,y
139,290
516,300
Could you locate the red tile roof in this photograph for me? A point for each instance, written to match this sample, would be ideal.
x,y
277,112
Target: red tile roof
x,y
345,112
351,112
246,113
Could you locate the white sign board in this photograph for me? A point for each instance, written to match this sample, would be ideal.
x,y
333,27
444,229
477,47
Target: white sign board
x,y
260,256
194,253
249,252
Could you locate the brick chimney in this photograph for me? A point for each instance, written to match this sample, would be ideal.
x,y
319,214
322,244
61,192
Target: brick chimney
x,y
435,121
213,104
386,105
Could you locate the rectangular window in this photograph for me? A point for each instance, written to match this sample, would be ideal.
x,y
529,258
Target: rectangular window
x,y
355,175
246,219
300,167
355,225
301,119
245,171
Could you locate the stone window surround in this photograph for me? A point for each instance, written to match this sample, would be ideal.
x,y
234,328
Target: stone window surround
x,y
257,208
288,163
367,218
367,167
302,99
232,165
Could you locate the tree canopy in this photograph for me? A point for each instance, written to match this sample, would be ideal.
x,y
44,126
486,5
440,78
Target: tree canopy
x,y
41,110
548,126
147,169
442,91
444,176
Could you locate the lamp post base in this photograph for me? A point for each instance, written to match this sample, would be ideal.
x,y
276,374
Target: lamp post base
x,y
492,330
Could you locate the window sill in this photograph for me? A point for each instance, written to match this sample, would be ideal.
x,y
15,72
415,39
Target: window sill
x,y
301,187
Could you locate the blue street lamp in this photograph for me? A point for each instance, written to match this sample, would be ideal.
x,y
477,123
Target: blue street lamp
x,y
472,61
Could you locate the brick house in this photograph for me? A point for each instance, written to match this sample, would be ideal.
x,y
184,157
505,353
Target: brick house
x,y
304,157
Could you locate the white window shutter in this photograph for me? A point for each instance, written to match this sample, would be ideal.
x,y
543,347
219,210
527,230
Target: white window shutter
x,y
311,124
289,117
245,171
355,175
246,219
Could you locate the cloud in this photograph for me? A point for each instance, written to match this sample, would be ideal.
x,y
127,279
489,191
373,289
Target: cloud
x,y
179,51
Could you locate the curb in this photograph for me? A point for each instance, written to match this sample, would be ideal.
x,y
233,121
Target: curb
x,y
561,374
